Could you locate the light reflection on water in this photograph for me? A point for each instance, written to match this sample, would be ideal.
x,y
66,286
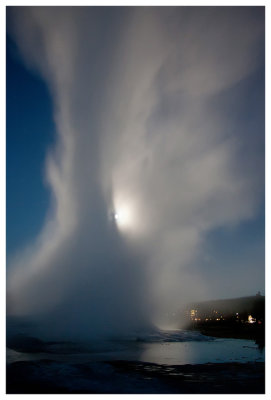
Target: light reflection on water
x,y
216,351
170,353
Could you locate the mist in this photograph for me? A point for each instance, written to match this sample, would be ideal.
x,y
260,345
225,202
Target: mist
x,y
146,163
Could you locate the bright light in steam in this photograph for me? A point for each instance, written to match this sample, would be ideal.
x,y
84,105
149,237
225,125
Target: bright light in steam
x,y
123,217
128,213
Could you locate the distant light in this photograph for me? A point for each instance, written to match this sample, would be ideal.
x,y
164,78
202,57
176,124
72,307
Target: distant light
x,y
251,320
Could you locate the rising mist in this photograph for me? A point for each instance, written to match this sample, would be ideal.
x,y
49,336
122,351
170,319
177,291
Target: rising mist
x,y
146,162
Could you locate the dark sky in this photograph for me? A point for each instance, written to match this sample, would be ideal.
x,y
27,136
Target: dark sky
x,y
30,132
135,157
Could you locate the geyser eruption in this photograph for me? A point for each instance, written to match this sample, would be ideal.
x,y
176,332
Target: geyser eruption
x,y
145,164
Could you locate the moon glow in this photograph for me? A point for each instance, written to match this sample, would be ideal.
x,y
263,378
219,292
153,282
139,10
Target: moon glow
x,y
123,217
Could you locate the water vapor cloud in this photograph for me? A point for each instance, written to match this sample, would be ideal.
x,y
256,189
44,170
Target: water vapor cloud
x,y
149,158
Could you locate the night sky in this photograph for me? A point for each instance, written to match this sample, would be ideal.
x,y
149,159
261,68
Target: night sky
x,y
135,159
30,132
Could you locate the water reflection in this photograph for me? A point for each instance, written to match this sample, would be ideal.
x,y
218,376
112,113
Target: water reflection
x,y
217,351
162,347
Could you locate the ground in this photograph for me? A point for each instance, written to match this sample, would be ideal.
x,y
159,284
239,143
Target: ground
x,y
127,377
